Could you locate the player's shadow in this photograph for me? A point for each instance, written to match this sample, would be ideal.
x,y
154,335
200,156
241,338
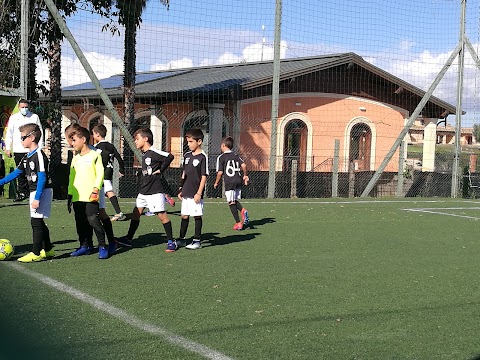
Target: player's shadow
x,y
214,240
143,241
252,224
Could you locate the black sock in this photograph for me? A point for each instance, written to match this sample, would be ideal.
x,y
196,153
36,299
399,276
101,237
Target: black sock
x,y
168,230
47,244
198,227
233,209
132,229
184,227
116,206
107,225
239,206
37,230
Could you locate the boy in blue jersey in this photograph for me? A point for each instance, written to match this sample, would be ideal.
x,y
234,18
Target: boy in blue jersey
x,y
151,193
230,166
34,165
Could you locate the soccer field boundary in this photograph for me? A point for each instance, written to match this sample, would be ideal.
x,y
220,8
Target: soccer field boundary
x,y
441,211
320,201
123,316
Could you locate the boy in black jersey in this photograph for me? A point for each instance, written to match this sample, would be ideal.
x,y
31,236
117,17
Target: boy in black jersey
x,y
229,165
194,178
109,154
34,165
151,193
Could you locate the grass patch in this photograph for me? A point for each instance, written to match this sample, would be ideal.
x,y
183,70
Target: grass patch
x,y
309,279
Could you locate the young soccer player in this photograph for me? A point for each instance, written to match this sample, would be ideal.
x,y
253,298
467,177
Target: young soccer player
x,y
109,154
229,165
34,165
85,182
84,229
151,193
194,178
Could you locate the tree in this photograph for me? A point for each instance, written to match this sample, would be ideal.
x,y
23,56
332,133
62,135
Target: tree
x,y
130,16
476,132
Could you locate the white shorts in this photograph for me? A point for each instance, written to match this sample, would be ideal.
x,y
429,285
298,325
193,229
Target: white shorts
x,y
233,195
107,185
45,207
191,208
155,203
101,199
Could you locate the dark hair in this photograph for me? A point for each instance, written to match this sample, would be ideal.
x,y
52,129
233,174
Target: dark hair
x,y
81,132
228,142
32,129
145,133
195,134
23,101
70,129
100,129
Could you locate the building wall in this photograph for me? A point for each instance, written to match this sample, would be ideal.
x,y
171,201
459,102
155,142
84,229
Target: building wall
x,y
330,116
327,116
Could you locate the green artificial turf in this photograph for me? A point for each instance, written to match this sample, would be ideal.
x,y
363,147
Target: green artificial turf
x,y
308,279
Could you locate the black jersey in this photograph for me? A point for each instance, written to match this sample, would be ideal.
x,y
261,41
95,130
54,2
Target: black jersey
x,y
194,167
32,164
153,160
109,153
230,164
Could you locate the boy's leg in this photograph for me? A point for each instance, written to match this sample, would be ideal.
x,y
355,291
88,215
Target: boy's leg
x,y
184,226
114,201
107,225
134,223
34,256
82,225
37,230
92,211
198,227
196,243
167,224
234,210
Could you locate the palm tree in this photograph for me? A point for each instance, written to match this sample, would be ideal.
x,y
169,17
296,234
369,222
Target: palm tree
x,y
130,16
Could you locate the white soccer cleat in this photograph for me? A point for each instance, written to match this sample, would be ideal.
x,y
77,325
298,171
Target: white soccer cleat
x,y
196,244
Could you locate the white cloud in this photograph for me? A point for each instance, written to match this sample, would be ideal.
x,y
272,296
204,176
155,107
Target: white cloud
x,y
73,72
174,64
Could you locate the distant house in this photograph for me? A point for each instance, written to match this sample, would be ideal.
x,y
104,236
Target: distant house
x,y
322,99
445,134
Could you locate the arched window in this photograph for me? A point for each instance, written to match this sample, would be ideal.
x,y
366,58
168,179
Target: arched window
x,y
295,144
360,146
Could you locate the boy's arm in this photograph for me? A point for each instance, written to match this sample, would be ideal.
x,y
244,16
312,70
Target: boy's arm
x,y
42,180
166,163
99,173
202,185
121,164
9,136
39,123
245,176
12,176
218,178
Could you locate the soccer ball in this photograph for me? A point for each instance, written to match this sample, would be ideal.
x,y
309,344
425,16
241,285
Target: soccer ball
x,y
6,249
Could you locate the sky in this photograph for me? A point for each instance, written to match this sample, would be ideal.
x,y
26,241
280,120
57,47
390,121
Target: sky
x,y
410,39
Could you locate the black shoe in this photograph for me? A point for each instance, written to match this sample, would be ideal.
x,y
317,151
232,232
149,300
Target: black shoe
x,y
20,197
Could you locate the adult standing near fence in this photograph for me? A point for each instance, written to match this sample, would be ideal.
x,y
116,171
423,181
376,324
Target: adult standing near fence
x,y
13,142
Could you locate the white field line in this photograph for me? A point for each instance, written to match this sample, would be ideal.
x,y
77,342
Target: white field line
x,y
441,212
124,316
